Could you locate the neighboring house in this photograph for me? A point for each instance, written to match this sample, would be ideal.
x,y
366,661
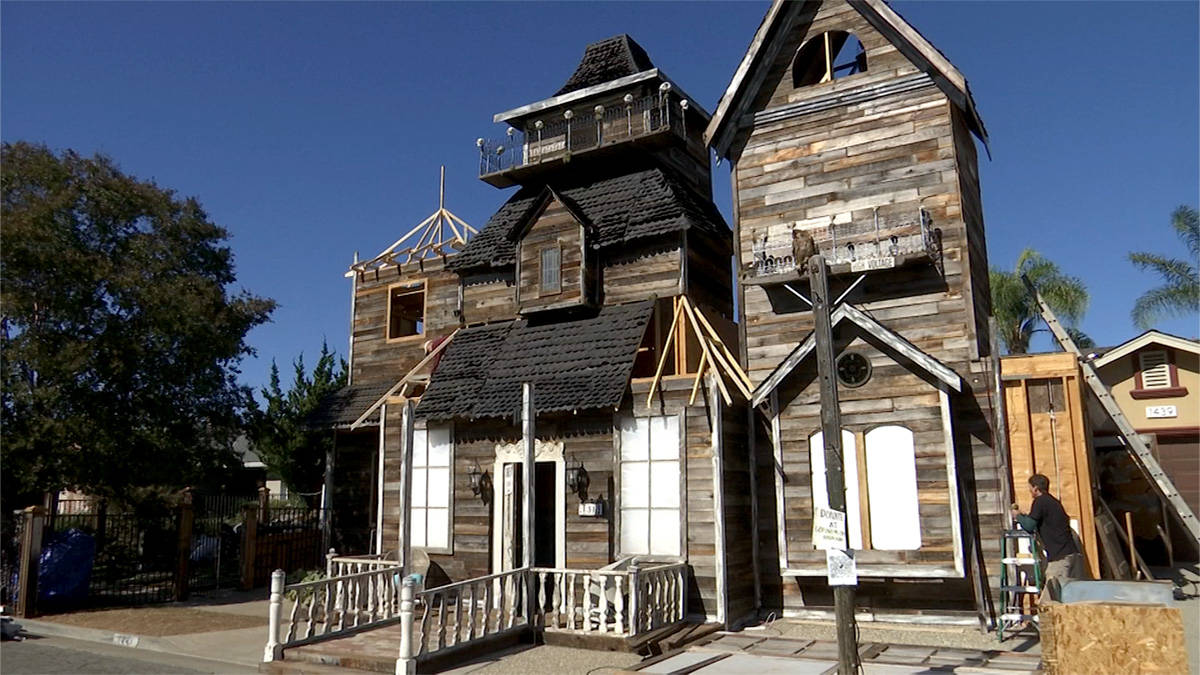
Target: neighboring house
x,y
1155,380
605,281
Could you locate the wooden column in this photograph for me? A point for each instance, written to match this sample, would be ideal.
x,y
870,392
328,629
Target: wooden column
x,y
831,430
249,544
34,519
527,473
406,456
327,496
184,548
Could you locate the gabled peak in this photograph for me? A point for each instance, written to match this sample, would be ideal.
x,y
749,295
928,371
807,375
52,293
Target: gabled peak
x,y
607,60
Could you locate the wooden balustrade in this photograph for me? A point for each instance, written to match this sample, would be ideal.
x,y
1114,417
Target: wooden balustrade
x,y
329,607
613,602
469,610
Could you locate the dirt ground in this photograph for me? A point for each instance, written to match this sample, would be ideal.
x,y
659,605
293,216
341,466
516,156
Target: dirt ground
x,y
157,621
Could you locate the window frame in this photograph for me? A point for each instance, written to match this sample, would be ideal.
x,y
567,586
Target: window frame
x,y
543,289
618,550
448,549
410,285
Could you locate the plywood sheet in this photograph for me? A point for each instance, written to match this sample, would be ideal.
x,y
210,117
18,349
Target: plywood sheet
x,y
1083,639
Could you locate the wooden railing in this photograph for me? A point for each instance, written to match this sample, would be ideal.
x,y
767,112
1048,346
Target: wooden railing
x,y
620,603
340,565
471,610
615,602
331,607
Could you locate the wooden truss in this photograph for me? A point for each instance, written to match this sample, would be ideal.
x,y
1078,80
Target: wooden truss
x,y
714,354
405,388
439,234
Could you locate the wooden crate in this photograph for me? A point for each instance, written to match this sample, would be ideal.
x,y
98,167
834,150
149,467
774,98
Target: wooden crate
x,y
1086,638
1048,433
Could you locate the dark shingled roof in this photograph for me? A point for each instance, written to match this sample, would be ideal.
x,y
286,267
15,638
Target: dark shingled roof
x,y
619,209
605,61
344,406
581,364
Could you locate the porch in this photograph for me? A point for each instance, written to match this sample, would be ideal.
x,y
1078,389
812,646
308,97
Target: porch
x,y
328,618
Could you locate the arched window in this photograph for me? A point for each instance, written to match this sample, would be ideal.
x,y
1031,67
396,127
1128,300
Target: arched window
x,y
828,56
892,489
816,459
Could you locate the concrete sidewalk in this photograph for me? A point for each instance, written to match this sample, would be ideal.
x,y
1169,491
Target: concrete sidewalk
x,y
241,648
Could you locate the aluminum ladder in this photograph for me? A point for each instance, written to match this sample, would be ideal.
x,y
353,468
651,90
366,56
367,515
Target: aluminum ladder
x,y
1138,450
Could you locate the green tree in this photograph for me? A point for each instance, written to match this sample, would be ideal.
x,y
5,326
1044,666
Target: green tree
x,y
1180,292
281,434
1016,312
119,335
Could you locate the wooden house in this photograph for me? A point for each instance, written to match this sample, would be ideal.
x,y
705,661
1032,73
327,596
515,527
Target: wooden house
x,y
849,134
604,282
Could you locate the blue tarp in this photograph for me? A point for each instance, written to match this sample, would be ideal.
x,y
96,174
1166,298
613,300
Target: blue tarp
x,y
65,568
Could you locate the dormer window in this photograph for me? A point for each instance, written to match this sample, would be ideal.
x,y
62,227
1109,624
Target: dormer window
x,y
826,57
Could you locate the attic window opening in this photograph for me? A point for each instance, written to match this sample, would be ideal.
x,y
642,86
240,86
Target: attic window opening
x,y
551,270
826,57
660,334
853,369
406,310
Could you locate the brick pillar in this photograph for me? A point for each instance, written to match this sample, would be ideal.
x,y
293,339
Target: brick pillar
x,y
249,543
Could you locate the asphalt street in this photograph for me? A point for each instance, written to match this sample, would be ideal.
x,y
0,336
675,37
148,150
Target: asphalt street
x,y
53,655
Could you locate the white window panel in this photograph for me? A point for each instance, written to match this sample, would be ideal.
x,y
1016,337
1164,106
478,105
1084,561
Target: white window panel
x,y
650,474
816,458
432,483
664,532
1156,371
664,484
635,484
892,489
664,438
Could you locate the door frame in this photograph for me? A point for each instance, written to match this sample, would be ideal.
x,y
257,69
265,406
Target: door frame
x,y
544,451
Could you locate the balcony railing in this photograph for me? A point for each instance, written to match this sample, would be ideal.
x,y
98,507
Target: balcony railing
x,y
580,131
878,243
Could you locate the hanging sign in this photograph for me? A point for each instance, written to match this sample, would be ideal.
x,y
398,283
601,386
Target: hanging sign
x,y
840,567
829,529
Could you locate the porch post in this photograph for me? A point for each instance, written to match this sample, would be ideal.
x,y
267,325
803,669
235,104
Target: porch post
x,y
406,455
405,663
527,434
273,651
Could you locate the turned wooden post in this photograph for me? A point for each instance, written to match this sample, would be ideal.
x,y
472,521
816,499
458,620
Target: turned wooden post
x,y
406,664
273,651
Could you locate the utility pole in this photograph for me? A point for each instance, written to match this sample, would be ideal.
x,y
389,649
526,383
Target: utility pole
x,y
831,432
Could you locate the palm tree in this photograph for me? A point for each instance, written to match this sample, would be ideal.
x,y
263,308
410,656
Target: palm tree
x,y
1016,312
1180,292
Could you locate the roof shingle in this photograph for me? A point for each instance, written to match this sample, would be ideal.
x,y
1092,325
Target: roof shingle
x,y
620,209
344,406
607,60
581,364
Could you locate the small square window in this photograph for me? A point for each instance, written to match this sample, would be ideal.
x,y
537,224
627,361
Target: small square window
x,y
551,270
406,311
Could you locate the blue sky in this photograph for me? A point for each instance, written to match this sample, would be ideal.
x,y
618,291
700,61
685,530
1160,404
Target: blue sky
x,y
313,130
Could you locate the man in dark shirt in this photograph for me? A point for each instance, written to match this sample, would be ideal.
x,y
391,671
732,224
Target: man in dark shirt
x,y
1049,520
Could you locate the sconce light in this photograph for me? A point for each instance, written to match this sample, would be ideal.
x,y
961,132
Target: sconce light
x,y
475,476
568,114
576,475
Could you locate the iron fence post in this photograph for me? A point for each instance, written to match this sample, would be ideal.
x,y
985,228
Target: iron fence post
x,y
272,651
406,664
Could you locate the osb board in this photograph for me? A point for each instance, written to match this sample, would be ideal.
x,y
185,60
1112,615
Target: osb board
x,y
1082,639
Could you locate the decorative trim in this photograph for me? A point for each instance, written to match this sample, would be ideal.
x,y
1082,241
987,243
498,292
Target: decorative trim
x,y
718,469
514,453
1149,337
952,477
850,97
900,571
1169,392
777,470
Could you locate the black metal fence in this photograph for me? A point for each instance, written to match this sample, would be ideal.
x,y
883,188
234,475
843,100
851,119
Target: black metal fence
x,y
215,555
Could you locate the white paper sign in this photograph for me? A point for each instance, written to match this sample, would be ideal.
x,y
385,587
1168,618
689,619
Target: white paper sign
x,y
829,529
1160,411
840,567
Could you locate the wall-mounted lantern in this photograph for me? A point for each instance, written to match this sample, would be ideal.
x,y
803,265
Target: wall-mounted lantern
x,y
475,476
576,475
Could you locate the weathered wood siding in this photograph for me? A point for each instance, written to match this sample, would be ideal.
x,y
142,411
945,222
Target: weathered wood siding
x,y
488,297
554,228
639,274
377,360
